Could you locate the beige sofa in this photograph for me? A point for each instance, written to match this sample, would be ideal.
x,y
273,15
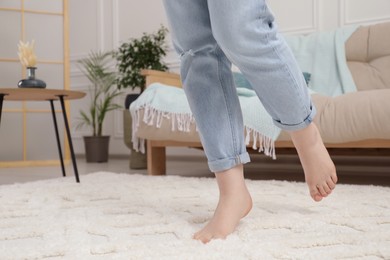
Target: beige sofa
x,y
356,122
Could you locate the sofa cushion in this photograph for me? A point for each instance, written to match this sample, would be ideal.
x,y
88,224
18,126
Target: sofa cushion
x,y
352,117
368,56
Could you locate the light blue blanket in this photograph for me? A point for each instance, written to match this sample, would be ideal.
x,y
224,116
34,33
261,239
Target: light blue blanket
x,y
161,102
322,54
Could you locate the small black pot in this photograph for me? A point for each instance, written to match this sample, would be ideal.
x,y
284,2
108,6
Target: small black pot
x,y
130,98
96,148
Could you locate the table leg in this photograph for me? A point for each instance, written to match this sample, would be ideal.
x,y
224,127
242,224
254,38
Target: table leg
x,y
1,104
57,137
76,173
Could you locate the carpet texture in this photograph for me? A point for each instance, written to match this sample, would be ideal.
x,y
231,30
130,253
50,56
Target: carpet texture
x,y
122,216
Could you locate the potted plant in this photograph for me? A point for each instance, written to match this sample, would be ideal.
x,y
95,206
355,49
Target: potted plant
x,y
102,100
146,52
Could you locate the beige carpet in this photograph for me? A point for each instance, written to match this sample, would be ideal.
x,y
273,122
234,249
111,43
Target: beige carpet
x,y
121,216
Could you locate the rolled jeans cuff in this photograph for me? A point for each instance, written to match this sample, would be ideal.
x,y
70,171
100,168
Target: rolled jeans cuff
x,y
301,125
228,163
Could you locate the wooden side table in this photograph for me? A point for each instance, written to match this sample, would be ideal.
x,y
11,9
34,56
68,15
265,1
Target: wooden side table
x,y
51,95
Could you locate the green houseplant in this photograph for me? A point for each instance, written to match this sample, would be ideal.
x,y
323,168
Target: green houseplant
x,y
102,100
146,52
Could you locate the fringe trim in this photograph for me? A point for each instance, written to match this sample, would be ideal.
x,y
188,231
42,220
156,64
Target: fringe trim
x,y
266,144
138,143
182,122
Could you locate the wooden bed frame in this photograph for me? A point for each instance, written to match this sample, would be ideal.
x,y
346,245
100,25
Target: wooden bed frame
x,y
156,155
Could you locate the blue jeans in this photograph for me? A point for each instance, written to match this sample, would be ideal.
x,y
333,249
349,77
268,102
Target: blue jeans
x,y
210,35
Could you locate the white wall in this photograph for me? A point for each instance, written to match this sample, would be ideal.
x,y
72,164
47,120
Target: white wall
x,y
104,24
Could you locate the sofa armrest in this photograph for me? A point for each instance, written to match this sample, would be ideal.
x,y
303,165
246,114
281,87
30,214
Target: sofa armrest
x,y
168,78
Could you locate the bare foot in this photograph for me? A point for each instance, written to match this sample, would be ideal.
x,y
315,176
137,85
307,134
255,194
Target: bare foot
x,y
320,172
234,203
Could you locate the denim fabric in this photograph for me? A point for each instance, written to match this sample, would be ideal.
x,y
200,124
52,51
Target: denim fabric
x,y
210,35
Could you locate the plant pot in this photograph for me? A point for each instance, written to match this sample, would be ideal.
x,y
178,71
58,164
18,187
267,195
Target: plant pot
x,y
137,159
96,148
130,98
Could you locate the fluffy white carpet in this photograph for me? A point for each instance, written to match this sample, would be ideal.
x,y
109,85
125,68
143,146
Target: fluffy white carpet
x,y
121,216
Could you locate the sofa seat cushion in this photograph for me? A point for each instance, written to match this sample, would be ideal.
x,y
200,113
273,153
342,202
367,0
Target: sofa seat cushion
x,y
352,117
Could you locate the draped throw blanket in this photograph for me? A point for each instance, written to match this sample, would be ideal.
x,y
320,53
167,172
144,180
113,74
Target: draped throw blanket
x,y
161,102
322,54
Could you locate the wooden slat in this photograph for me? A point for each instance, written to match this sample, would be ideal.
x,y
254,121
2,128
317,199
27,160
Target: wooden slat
x,y
38,61
342,151
373,143
365,144
65,10
162,74
168,78
28,110
26,163
29,11
174,143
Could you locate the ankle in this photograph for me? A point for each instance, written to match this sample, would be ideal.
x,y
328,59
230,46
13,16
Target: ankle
x,y
307,136
231,182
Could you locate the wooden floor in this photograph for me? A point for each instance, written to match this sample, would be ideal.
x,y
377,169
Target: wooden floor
x,y
351,170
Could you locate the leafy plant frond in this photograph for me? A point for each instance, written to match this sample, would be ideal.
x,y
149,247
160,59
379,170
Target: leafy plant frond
x,y
97,68
146,52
